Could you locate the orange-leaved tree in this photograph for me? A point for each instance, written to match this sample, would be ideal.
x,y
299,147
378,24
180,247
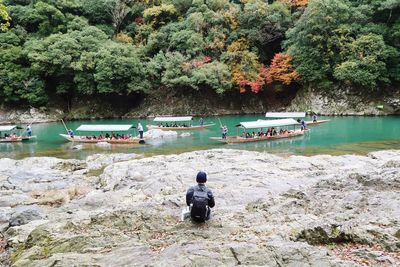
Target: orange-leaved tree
x,y
282,70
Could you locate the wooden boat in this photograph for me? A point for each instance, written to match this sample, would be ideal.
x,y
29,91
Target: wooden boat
x,y
13,138
103,129
310,123
260,124
174,121
293,115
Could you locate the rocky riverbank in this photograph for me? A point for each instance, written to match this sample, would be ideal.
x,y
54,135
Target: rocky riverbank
x,y
295,211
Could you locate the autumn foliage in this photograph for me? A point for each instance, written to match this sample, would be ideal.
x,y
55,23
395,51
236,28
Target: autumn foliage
x,y
296,3
196,63
282,70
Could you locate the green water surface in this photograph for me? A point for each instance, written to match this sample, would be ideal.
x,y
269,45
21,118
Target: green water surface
x,y
342,135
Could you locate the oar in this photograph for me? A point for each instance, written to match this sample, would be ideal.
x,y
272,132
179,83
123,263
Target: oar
x,y
220,123
65,126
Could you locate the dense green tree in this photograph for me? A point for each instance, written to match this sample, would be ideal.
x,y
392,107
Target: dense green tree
x,y
102,47
4,17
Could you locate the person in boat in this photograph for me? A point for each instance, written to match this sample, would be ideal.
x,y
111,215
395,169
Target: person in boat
x,y
200,199
71,133
140,130
314,118
201,122
303,125
224,131
29,130
281,131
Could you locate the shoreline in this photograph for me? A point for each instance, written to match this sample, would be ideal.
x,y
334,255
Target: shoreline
x,y
52,119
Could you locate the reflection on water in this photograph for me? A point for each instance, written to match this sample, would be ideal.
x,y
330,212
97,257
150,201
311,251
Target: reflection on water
x,y
342,135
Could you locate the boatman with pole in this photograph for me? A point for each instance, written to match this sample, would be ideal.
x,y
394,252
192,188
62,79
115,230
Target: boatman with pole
x,y
201,122
224,131
140,130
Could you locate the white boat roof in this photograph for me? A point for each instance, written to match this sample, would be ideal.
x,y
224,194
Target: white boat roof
x,y
104,127
173,119
285,114
7,127
268,123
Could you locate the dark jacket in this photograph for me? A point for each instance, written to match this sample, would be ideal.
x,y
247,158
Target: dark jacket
x,y
200,187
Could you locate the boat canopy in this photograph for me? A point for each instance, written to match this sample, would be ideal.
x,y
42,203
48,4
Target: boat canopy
x,y
104,127
7,127
285,114
172,119
268,123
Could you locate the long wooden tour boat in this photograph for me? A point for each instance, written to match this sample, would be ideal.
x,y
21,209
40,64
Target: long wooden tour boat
x,y
107,134
293,115
263,124
177,124
12,138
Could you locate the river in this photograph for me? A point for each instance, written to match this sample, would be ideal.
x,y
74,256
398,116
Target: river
x,y
341,135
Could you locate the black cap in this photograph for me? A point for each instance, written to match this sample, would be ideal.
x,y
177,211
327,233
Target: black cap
x,y
201,177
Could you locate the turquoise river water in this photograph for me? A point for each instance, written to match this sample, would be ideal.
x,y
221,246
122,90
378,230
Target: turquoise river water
x,y
341,135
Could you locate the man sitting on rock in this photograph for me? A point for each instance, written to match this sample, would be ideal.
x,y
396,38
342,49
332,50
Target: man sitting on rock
x,y
200,199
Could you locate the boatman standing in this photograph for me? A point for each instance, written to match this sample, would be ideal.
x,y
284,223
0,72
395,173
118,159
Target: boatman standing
x,y
29,130
71,133
314,118
201,122
303,125
224,131
140,130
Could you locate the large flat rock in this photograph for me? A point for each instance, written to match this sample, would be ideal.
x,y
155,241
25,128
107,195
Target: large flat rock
x,y
270,211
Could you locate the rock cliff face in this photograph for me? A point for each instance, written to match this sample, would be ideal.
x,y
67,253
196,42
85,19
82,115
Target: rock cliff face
x,y
344,101
31,115
271,211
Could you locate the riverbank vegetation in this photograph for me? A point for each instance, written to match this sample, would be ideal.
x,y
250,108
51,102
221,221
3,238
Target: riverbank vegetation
x,y
99,48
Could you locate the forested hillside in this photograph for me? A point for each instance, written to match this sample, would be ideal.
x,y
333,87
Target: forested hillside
x,y
73,48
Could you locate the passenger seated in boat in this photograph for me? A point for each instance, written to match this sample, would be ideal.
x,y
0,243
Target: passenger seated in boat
x,y
94,137
281,131
13,136
273,131
107,136
248,135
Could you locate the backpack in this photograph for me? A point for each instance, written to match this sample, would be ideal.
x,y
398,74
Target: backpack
x,y
199,208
